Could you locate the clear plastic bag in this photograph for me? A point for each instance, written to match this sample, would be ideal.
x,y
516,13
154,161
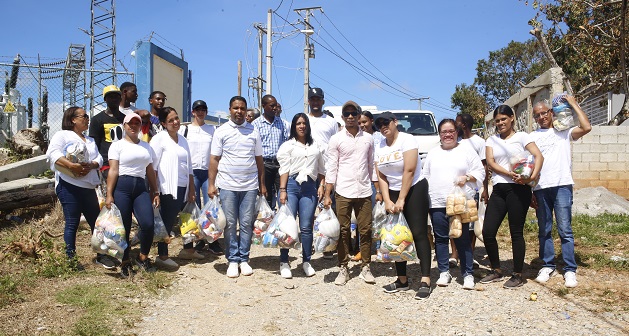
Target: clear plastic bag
x,y
456,226
396,240
326,231
523,163
379,219
564,118
190,228
283,231
213,221
109,235
160,234
478,226
456,201
265,214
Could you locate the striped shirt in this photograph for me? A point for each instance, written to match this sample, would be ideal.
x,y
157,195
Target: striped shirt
x,y
238,146
273,134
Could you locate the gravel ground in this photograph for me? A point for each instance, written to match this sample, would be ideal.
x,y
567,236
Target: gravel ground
x,y
203,301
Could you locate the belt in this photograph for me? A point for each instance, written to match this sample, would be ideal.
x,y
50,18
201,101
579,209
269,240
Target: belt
x,y
270,160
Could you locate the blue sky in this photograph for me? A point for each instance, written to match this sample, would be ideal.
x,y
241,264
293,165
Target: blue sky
x,y
423,48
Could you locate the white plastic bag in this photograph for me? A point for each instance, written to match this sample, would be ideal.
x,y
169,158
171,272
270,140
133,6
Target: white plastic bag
x,y
283,231
109,235
478,225
265,214
563,113
326,231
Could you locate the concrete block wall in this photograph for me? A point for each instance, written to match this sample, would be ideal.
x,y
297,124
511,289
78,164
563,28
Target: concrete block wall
x,y
601,158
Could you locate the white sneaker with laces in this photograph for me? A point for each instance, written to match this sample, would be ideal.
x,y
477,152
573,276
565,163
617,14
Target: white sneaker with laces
x,y
544,274
444,279
232,270
245,269
571,279
468,282
285,271
308,269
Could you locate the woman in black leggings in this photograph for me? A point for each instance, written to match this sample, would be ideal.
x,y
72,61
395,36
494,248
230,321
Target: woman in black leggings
x,y
399,168
511,194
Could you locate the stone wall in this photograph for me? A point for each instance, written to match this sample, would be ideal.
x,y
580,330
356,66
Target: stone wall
x,y
601,158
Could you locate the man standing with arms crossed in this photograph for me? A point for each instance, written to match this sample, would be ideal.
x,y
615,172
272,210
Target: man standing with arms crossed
x,y
553,192
350,171
273,133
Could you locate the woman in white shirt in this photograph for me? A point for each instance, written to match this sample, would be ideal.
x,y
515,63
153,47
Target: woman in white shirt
x,y
446,166
76,182
403,189
511,194
176,182
129,164
301,163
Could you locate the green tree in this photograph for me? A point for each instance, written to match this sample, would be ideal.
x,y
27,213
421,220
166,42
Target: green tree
x,y
468,100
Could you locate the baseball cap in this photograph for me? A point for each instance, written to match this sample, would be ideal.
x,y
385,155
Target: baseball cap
x,y
352,103
315,92
384,116
199,103
130,116
110,89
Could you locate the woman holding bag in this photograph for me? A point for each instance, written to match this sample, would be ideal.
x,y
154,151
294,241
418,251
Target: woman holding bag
x,y
447,166
301,163
403,189
176,181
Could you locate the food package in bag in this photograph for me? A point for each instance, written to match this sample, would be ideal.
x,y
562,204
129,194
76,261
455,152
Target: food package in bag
x,y
456,226
522,163
213,220
75,152
379,219
283,231
265,214
478,225
455,201
396,240
109,235
160,234
190,229
326,231
564,118
256,237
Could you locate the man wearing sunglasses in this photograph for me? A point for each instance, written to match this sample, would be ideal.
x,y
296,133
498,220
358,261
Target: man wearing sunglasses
x,y
350,171
553,193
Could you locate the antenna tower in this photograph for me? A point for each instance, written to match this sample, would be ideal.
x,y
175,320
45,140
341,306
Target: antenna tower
x,y
74,76
102,48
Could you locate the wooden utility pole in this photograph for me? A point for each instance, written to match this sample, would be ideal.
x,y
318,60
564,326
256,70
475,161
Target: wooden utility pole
x,y
240,78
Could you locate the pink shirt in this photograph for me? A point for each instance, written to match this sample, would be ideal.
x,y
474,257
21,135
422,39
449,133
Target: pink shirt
x,y
349,164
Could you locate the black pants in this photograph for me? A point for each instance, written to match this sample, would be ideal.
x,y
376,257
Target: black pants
x,y
514,200
271,181
416,213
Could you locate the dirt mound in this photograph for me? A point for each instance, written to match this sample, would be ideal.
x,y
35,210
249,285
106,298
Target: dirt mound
x,y
596,201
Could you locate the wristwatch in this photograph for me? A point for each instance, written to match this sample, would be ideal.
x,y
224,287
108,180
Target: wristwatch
x,y
467,178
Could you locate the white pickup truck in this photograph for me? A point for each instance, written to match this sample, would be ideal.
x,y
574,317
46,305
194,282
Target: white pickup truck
x,y
419,123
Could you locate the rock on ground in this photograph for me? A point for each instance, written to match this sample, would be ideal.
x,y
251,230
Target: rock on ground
x,y
596,201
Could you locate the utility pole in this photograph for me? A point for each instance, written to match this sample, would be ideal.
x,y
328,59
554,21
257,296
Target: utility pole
x,y
259,83
419,100
308,49
269,57
240,78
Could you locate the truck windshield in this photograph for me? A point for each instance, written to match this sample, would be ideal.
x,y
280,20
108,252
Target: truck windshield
x,y
416,123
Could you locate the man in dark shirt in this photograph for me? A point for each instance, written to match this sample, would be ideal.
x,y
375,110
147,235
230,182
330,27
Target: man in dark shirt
x,y
105,126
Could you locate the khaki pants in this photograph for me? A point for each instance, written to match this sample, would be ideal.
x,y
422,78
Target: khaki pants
x,y
362,209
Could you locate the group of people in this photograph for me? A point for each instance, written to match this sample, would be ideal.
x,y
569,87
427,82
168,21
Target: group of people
x,y
311,161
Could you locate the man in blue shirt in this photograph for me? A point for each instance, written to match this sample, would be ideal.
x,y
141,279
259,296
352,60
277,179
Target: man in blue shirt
x,y
273,133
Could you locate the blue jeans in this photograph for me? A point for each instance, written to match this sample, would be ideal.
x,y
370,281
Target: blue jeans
x,y
559,200
239,207
169,210
302,200
200,186
76,201
441,229
131,197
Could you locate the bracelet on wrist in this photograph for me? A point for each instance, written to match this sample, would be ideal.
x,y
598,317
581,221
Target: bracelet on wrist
x,y
378,192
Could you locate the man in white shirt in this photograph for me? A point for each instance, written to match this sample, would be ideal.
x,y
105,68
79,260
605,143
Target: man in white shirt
x,y
129,93
553,193
323,126
350,171
236,167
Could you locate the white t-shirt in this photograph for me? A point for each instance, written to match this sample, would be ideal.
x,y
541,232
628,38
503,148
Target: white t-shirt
x,y
477,143
555,147
503,150
58,143
323,128
390,159
127,110
238,146
199,140
442,167
132,158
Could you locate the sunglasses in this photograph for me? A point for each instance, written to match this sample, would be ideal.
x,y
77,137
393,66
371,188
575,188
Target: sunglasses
x,y
84,116
347,114
383,123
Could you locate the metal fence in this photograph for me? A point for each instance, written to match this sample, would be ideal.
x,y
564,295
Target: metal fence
x,y
39,93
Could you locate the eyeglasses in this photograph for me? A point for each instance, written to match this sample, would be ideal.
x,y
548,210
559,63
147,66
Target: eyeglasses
x,y
447,132
542,114
347,114
383,123
84,116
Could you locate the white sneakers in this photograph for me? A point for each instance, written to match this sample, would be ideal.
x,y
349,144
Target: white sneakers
x,y
571,279
285,270
232,270
366,275
544,274
308,269
468,282
444,279
245,269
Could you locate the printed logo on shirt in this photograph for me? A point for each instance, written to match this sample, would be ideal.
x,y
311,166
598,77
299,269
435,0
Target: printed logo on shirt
x,y
113,132
390,157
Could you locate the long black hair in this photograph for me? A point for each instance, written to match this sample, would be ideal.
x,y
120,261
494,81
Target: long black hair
x,y
164,112
293,128
503,109
370,116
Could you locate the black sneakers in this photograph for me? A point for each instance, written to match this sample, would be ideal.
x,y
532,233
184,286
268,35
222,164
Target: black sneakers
x,y
423,292
126,270
515,282
145,265
395,287
106,261
215,248
493,276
